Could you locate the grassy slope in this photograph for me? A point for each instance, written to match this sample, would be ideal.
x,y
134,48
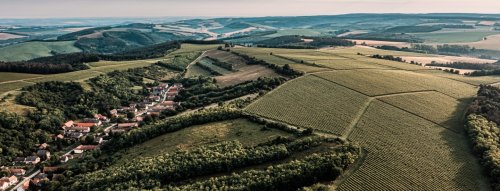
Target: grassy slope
x,y
30,50
96,69
242,130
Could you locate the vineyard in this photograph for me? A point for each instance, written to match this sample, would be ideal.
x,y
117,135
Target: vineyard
x,y
408,121
405,152
333,106
265,54
433,106
382,82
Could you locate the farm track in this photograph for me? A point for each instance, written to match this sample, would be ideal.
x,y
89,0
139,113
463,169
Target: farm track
x,y
355,121
196,60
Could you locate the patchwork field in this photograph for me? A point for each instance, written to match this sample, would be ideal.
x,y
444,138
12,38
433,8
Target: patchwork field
x,y
35,49
389,112
456,37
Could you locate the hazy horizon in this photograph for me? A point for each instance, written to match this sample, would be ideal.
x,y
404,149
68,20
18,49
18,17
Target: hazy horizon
x,y
33,9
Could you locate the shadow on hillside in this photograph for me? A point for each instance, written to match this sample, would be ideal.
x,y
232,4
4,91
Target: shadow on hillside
x,y
470,175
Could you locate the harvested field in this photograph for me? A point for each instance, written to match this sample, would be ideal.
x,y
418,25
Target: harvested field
x,y
382,43
7,36
446,59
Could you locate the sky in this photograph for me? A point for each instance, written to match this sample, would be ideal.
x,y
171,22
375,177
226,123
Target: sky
x,y
241,8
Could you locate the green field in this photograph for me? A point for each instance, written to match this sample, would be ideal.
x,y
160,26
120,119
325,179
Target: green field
x,y
311,102
434,106
264,54
409,122
208,63
10,76
406,152
242,130
383,82
35,49
456,37
97,68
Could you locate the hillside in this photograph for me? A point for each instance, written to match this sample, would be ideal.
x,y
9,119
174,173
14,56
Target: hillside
x,y
389,109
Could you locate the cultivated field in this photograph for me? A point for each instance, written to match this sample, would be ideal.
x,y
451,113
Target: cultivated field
x,y
383,82
445,59
7,36
408,121
311,102
407,152
35,49
242,130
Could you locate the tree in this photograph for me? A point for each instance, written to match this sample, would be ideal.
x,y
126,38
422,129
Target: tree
x,y
130,115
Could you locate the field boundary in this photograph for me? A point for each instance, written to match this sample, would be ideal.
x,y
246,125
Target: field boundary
x,y
355,121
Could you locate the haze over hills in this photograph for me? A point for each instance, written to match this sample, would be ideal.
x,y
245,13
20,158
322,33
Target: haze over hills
x,y
361,101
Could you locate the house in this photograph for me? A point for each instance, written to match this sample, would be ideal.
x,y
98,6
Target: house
x,y
25,186
89,125
66,158
19,160
4,185
9,180
128,109
59,136
96,122
154,98
82,148
139,119
48,170
75,135
82,128
127,125
39,178
100,117
114,113
43,146
44,154
32,160
98,140
17,171
68,124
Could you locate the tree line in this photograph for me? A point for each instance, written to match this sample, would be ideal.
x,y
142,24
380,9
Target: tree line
x,y
483,130
76,61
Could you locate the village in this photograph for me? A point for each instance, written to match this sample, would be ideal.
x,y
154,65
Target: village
x,y
87,134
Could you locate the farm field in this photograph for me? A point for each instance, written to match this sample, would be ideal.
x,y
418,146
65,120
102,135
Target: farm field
x,y
333,106
473,80
445,59
431,105
264,54
6,36
9,86
245,73
208,63
492,42
406,152
242,130
381,43
10,76
456,37
396,81
194,70
35,49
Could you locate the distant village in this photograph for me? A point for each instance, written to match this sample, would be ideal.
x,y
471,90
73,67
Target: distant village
x,y
88,134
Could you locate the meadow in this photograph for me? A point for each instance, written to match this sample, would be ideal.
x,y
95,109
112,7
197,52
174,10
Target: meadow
x,y
246,132
35,49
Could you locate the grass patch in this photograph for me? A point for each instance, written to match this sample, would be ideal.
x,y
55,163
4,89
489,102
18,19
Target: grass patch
x,y
242,130
35,49
9,76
